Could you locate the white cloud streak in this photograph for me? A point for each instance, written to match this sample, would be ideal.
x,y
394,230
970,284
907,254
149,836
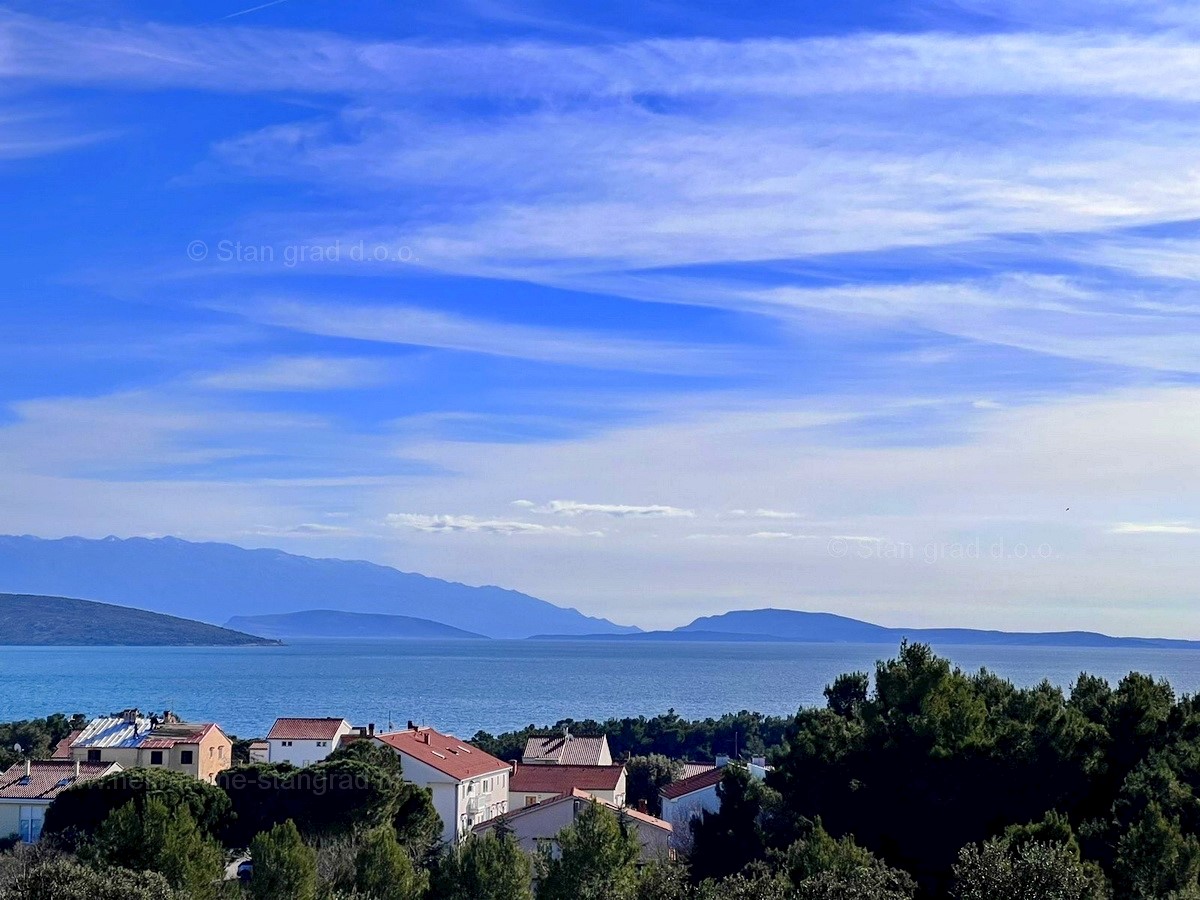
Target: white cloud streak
x,y
1155,528
451,524
616,510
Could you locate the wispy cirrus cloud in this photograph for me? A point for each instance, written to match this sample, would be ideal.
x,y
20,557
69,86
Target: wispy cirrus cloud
x,y
616,510
1155,528
455,524
300,373
423,327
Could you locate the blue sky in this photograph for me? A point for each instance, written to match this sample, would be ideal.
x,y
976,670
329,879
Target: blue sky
x,y
655,310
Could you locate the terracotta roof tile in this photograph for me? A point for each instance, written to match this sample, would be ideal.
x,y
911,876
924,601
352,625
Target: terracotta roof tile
x,y
62,750
575,794
543,779
306,729
570,750
688,785
444,752
47,777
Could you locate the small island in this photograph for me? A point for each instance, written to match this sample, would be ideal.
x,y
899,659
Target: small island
x,y
33,620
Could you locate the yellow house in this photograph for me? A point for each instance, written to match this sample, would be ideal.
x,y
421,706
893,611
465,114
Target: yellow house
x,y
133,740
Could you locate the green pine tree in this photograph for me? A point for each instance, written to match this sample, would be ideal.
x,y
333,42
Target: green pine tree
x,y
152,837
597,859
385,871
283,865
488,867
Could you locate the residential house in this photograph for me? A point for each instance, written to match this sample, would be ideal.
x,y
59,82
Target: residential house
x,y
687,798
259,751
28,788
567,749
303,742
133,740
533,784
468,785
538,825
62,750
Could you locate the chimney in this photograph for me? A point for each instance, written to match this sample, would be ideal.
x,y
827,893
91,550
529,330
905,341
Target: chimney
x,y
370,728
425,737
76,768
412,726
28,768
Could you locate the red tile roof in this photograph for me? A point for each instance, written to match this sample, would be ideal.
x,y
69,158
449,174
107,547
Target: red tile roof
x,y
306,729
47,777
444,752
62,750
575,794
542,779
565,749
688,785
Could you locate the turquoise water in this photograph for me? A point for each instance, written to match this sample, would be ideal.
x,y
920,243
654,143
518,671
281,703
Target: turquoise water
x,y
462,686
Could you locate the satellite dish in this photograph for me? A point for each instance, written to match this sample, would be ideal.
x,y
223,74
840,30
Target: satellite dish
x,y
18,748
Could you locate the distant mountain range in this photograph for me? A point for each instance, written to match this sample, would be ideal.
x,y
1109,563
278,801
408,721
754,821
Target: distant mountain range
x,y
216,582
330,623
786,625
65,622
274,594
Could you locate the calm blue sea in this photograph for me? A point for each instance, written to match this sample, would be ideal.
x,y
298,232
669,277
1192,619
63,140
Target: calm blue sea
x,y
462,686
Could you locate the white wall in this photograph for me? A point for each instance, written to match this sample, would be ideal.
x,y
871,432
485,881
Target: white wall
x,y
543,823
451,797
680,811
301,753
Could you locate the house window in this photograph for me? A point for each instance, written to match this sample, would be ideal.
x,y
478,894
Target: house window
x,y
93,755
530,800
31,823
322,743
156,757
185,757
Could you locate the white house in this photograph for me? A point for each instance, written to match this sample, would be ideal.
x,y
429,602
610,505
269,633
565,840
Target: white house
x,y
303,742
27,790
468,785
538,825
687,798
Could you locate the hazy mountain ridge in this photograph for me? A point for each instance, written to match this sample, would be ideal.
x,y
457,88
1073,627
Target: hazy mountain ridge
x,y
335,624
216,582
34,620
795,626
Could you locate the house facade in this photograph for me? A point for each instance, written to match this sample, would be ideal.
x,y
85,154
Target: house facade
x,y
538,825
27,790
686,799
132,740
468,785
566,749
537,783
303,742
